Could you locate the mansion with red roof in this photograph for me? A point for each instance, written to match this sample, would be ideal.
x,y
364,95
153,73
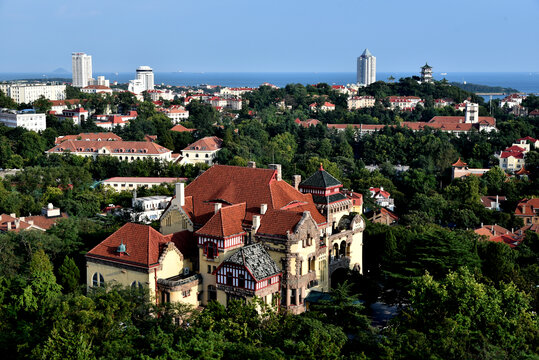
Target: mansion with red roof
x,y
236,233
512,158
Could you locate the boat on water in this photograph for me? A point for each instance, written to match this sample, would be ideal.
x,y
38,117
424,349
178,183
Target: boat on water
x,y
443,73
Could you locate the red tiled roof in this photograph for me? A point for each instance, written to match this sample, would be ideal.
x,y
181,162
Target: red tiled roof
x,y
381,192
515,154
44,222
226,222
487,200
185,242
386,212
524,207
507,239
143,246
529,138
234,185
181,128
459,163
115,147
279,222
89,136
491,231
515,148
209,143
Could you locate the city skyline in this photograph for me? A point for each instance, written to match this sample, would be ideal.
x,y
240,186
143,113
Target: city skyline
x,y
308,36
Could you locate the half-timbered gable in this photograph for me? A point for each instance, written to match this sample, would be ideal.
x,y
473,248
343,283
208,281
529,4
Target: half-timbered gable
x,y
249,272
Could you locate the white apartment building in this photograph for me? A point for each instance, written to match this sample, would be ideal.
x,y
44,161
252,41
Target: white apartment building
x,y
120,183
176,113
149,208
27,119
202,151
96,89
157,95
145,73
28,93
82,69
360,102
366,68
136,86
100,81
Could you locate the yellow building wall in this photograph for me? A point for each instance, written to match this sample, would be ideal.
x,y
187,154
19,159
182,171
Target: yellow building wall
x,y
172,265
174,221
124,277
192,299
356,251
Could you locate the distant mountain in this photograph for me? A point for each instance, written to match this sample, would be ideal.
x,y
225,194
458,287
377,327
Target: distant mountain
x,y
60,71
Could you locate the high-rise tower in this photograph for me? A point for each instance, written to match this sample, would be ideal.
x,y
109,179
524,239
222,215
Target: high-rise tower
x,y
366,68
82,69
145,73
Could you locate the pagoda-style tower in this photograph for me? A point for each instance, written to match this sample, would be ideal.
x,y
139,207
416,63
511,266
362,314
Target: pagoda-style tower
x,y
426,73
327,195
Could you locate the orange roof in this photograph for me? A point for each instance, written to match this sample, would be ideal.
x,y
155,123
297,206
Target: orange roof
x,y
209,143
459,163
181,128
279,222
105,136
507,239
386,212
522,171
143,245
115,147
491,231
226,222
235,185
528,207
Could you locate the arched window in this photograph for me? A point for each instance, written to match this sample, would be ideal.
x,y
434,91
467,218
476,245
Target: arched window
x,y
98,280
136,285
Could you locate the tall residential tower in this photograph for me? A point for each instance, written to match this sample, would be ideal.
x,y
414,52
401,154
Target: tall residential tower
x,y
145,73
82,69
366,68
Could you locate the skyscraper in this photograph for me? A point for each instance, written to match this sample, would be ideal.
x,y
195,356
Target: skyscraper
x,y
82,69
366,68
145,73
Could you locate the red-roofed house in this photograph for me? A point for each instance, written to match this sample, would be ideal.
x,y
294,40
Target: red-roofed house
x,y
111,121
123,150
307,123
528,210
202,151
382,198
326,106
491,231
141,257
77,115
48,218
231,208
108,136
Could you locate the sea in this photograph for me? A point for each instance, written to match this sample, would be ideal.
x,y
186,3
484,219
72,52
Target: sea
x,y
525,82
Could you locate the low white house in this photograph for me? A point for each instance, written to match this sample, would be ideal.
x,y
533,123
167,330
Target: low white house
x,y
149,208
132,183
202,151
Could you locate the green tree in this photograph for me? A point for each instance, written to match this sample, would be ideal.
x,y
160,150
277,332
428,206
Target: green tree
x,y
69,275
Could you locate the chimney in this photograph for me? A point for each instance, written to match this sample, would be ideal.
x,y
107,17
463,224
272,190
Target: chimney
x,y
22,218
381,188
263,208
17,223
31,222
256,222
251,164
216,207
278,168
296,181
8,225
13,215
180,194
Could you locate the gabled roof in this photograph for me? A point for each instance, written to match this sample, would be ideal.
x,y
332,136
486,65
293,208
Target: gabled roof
x,y
234,185
515,148
320,179
488,200
104,136
491,231
506,239
528,138
209,143
226,222
256,259
279,222
515,154
116,147
143,245
524,207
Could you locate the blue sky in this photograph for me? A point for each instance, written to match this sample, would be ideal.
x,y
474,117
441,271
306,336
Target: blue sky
x,y
271,35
